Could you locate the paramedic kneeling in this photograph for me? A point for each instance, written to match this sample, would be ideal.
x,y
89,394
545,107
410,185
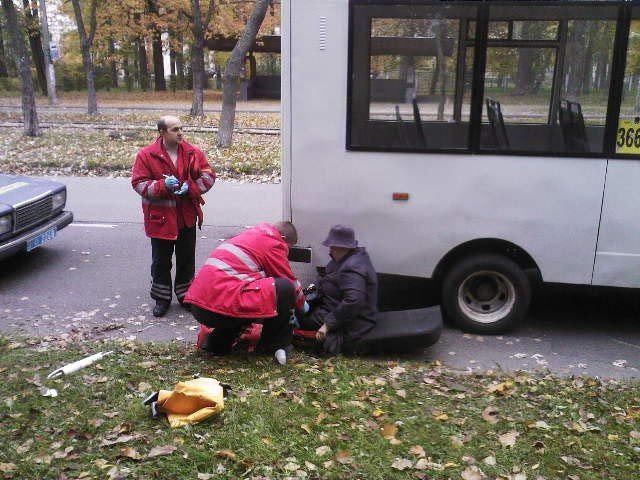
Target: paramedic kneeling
x,y
248,279
346,306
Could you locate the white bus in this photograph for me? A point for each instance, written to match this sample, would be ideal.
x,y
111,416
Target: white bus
x,y
486,146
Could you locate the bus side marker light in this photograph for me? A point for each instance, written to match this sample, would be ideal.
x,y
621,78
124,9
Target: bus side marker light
x,y
401,196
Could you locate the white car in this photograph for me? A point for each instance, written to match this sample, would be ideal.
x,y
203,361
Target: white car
x,y
31,213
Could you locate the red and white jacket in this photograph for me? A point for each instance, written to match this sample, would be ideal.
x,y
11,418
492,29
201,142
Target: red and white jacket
x,y
164,212
237,278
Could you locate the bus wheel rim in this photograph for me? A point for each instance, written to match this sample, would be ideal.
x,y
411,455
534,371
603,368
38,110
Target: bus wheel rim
x,y
486,296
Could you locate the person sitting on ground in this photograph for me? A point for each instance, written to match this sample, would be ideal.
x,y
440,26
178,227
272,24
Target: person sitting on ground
x,y
346,305
248,279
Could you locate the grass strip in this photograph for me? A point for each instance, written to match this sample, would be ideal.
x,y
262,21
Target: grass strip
x,y
370,418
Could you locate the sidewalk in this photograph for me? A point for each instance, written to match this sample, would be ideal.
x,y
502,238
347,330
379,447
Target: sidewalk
x,y
112,200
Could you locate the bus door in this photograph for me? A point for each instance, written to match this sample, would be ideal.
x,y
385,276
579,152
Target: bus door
x,y
617,259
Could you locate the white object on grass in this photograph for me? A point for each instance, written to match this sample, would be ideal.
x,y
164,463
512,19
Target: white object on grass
x,y
78,365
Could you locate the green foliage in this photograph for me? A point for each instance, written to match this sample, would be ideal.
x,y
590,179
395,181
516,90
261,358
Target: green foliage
x,y
9,84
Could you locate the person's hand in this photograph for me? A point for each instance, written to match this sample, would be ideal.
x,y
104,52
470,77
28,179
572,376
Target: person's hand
x,y
305,307
183,189
171,182
321,334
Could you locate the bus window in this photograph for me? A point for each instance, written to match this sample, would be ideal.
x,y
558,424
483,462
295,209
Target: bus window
x,y
547,79
409,69
628,132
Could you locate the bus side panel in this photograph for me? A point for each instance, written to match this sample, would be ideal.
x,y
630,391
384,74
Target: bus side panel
x,y
618,254
548,206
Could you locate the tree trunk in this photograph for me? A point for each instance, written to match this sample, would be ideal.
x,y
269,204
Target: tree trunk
x,y
197,61
35,41
587,68
158,63
112,63
441,34
180,65
46,50
86,42
23,63
172,66
143,65
92,100
197,70
3,62
233,70
128,79
434,78
156,44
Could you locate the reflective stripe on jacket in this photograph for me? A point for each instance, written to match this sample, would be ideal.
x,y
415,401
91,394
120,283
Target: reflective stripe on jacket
x,y
237,278
164,212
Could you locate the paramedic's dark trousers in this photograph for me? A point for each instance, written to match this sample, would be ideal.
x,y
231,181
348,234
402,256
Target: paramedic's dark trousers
x,y
161,255
277,331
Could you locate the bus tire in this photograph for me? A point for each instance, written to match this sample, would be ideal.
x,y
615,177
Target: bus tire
x,y
486,293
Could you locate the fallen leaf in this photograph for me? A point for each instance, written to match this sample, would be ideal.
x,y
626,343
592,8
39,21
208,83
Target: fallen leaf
x,y
228,454
503,388
388,431
490,460
120,439
292,467
205,476
401,464
306,428
323,450
539,446
472,473
508,439
161,450
101,463
401,393
634,434
129,452
418,451
7,467
541,425
310,466
490,414
456,441
144,387
343,457
570,460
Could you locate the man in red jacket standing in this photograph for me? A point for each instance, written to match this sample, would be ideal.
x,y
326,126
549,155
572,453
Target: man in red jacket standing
x,y
171,176
248,279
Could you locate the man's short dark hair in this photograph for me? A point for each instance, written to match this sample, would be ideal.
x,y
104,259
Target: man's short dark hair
x,y
288,231
162,125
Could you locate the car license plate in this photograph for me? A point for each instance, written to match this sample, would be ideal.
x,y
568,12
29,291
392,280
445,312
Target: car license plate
x,y
40,239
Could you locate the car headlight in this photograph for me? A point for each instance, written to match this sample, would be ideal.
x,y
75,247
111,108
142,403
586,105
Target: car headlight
x,y
5,224
59,199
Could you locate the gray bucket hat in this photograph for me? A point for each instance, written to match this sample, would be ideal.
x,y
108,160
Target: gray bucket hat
x,y
341,236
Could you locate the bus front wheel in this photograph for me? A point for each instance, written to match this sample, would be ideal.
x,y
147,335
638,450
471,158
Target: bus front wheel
x,y
486,293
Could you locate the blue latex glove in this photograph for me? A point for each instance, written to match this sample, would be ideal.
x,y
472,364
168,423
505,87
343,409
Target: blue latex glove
x,y
183,189
306,307
171,182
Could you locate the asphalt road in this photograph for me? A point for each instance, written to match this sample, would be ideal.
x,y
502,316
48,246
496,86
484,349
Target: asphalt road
x,y
92,281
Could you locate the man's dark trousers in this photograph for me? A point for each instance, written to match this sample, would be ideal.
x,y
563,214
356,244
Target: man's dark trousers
x,y
161,255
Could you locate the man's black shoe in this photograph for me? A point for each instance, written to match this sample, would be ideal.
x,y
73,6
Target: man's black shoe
x,y
161,308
